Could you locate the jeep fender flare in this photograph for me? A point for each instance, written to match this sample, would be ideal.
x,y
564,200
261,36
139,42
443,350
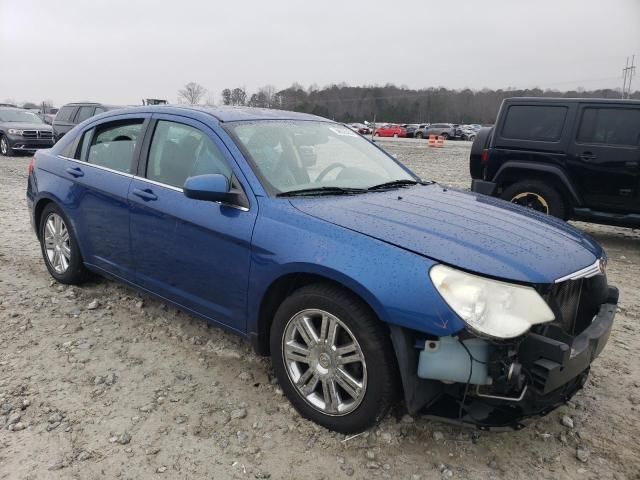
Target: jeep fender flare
x,y
557,172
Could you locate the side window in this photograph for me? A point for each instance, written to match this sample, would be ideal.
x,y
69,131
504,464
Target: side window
x,y
534,122
179,151
64,114
100,110
84,113
113,144
611,126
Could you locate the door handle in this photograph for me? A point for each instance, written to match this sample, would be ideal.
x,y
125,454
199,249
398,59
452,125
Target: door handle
x,y
146,194
587,156
75,171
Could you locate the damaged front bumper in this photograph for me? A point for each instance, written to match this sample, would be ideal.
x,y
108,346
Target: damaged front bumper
x,y
539,373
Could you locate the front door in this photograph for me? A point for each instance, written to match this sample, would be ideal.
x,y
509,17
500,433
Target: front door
x,y
193,252
605,156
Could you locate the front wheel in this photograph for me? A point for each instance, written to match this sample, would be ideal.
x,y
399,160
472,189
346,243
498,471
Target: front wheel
x,y
445,136
419,135
5,149
538,196
333,358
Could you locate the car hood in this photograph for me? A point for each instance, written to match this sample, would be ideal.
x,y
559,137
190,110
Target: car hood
x,y
26,126
470,231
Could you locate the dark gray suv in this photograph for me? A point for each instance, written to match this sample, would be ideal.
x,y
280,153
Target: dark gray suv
x,y
22,131
74,113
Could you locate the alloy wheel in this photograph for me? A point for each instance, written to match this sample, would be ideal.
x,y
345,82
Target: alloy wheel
x,y
4,147
531,200
324,362
57,243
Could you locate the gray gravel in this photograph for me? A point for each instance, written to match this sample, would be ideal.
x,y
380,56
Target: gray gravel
x,y
102,382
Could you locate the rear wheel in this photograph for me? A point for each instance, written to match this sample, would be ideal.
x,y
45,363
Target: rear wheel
x,y
445,136
5,149
538,196
419,135
60,247
333,358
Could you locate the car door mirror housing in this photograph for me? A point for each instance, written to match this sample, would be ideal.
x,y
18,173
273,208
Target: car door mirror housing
x,y
212,187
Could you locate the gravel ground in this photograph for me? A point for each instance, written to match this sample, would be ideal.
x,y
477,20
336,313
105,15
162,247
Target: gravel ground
x,y
102,382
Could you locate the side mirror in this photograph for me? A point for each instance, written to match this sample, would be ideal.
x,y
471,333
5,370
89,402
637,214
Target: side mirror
x,y
214,188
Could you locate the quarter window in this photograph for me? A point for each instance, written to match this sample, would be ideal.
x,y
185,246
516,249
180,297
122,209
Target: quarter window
x,y
113,144
541,123
179,151
611,126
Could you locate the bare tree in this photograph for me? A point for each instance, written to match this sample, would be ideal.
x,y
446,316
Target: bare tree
x,y
238,96
192,93
226,96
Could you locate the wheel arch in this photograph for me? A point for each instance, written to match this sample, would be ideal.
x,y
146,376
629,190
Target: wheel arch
x,y
512,172
38,208
284,285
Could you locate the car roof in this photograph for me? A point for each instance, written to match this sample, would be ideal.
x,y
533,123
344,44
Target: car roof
x,y
84,104
572,100
223,113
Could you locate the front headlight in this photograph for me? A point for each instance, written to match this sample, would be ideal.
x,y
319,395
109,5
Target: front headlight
x,y
15,131
490,307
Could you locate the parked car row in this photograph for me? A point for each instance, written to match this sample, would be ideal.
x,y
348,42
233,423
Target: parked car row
x,y
418,130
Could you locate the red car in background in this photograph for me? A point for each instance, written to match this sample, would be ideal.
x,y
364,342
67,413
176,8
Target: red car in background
x,y
390,131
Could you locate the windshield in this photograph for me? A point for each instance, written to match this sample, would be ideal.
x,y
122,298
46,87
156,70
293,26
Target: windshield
x,y
19,116
296,155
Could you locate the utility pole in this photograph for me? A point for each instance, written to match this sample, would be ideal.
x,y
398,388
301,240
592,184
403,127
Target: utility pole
x,y
627,73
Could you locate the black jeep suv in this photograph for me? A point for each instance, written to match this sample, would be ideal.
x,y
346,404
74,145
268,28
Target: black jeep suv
x,y
572,158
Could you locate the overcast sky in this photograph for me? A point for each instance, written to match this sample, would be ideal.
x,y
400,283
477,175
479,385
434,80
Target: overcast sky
x,y
117,51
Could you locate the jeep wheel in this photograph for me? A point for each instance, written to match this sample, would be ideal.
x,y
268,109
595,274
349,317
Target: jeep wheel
x,y
333,358
538,196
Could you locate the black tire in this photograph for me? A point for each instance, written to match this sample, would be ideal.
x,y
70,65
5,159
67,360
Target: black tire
x,y
381,386
5,148
445,136
539,196
75,272
419,135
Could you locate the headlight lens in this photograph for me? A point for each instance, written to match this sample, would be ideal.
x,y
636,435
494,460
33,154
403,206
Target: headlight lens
x,y
490,307
14,131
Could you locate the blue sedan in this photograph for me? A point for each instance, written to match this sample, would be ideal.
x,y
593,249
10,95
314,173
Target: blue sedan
x,y
365,284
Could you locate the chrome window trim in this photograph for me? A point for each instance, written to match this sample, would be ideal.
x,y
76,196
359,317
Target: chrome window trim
x,y
178,189
596,268
100,167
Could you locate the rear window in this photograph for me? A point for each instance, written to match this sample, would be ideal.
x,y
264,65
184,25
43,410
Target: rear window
x,y
540,123
112,145
64,114
610,126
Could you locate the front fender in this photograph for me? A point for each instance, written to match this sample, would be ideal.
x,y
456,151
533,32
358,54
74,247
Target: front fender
x,y
394,282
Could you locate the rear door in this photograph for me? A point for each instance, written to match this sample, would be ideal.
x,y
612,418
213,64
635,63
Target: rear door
x,y
193,252
605,155
101,165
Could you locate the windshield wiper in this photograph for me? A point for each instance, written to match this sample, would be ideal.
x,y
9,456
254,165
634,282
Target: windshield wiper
x,y
394,183
321,191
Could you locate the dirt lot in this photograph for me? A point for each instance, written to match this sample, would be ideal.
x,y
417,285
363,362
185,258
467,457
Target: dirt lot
x,y
101,382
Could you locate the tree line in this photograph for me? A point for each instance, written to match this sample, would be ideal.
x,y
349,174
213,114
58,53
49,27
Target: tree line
x,y
391,103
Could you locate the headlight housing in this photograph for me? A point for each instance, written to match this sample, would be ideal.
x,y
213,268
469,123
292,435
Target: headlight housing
x,y
490,307
15,131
